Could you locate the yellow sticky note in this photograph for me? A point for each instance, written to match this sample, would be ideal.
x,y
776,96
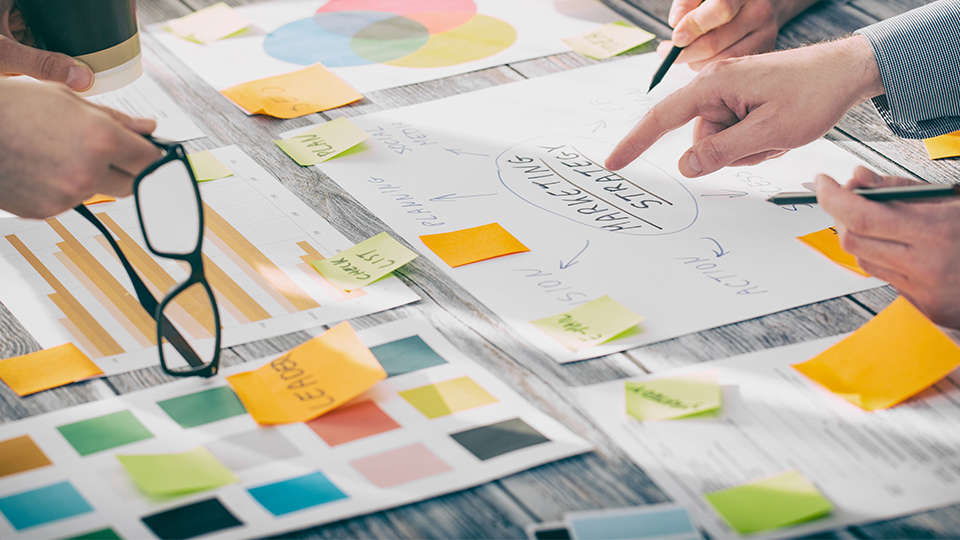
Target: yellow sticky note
x,y
827,242
294,94
207,167
49,368
164,475
943,146
365,262
673,397
467,246
588,325
311,379
896,355
209,24
608,40
770,503
323,142
98,199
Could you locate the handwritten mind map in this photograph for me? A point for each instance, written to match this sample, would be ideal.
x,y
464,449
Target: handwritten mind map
x,y
377,44
686,255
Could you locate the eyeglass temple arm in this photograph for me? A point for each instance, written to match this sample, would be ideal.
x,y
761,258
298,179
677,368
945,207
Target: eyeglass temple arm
x,y
146,298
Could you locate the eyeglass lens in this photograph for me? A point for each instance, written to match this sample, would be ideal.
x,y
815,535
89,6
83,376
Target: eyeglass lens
x,y
191,312
170,210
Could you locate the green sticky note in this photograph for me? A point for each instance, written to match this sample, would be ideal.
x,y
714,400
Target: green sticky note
x,y
207,167
104,432
163,475
588,325
323,142
673,397
365,262
608,40
770,503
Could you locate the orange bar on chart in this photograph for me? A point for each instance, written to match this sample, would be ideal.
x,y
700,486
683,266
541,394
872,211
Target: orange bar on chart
x,y
240,304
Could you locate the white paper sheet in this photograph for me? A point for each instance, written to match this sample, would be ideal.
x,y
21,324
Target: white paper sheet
x,y
705,252
144,98
255,206
539,26
117,503
871,466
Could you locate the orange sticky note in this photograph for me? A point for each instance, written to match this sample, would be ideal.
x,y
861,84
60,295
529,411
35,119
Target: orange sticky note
x,y
467,246
313,378
294,94
827,242
943,146
896,355
46,369
98,199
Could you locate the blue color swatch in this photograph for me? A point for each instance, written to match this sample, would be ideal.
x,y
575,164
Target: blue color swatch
x,y
406,355
642,522
297,493
43,505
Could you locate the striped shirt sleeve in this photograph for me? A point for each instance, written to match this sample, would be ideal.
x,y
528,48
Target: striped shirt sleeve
x,y
918,53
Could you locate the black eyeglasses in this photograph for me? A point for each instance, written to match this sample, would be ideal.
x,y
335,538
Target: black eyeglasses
x,y
170,212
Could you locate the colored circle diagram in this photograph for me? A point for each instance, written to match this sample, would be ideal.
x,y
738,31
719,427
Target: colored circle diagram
x,y
402,33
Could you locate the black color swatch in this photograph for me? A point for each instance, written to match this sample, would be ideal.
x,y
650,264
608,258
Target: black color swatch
x,y
192,520
497,439
559,533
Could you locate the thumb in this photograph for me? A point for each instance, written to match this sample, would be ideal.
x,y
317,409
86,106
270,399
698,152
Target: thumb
x,y
716,151
19,59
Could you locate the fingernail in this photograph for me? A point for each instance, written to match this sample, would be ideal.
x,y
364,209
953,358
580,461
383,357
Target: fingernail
x,y
79,78
681,39
810,186
674,16
694,163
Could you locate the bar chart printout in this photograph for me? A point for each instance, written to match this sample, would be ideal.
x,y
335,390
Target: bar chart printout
x,y
64,283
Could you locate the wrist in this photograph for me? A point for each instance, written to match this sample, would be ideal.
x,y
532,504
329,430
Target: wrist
x,y
863,67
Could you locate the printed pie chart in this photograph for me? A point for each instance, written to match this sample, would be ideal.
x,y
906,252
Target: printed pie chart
x,y
401,33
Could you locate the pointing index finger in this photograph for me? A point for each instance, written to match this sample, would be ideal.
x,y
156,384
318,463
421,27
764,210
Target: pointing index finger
x,y
671,113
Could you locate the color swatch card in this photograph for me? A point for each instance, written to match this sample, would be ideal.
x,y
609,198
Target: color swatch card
x,y
784,457
64,283
186,459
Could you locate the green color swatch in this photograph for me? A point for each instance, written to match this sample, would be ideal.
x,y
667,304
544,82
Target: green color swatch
x,y
406,355
104,432
203,407
162,475
673,397
102,534
770,503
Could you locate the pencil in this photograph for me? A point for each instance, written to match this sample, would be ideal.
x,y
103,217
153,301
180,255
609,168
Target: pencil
x,y
898,193
664,66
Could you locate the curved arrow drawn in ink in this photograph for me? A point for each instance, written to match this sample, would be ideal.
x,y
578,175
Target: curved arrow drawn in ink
x,y
449,197
574,260
719,251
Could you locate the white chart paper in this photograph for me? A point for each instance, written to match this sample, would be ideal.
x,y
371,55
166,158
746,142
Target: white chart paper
x,y
267,455
144,98
871,465
686,254
55,288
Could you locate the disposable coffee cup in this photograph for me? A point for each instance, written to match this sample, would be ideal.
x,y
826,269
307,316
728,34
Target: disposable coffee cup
x,y
100,33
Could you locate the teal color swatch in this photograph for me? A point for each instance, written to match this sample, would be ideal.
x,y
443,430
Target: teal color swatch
x,y
43,505
104,432
297,493
406,355
203,407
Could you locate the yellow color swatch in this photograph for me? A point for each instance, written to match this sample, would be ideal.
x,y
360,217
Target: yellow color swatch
x,y
943,146
49,368
448,397
827,242
773,502
365,262
294,94
207,167
164,475
209,24
896,355
588,325
323,142
467,246
673,397
98,199
608,40
313,378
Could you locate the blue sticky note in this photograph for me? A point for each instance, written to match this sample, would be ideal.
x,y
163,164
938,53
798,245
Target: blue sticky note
x,y
297,493
43,505
640,523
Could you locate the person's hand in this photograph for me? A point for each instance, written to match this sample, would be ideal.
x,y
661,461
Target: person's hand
x,y
17,57
57,150
914,246
757,107
718,29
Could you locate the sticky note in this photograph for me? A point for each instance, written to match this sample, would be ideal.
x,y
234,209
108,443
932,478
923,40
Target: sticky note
x,y
164,475
207,167
608,40
827,242
313,378
943,146
896,355
323,142
99,199
770,503
467,246
49,368
365,262
209,24
294,94
673,397
447,397
588,325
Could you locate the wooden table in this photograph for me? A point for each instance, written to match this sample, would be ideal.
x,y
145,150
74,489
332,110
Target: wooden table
x,y
605,478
